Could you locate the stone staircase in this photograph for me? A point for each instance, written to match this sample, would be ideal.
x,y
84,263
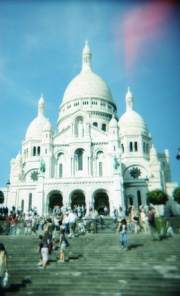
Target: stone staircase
x,y
95,266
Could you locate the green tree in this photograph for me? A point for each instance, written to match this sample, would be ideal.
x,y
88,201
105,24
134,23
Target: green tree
x,y
157,197
1,197
176,194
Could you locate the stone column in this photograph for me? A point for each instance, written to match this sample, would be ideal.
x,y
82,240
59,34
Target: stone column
x,y
72,166
118,197
89,166
40,202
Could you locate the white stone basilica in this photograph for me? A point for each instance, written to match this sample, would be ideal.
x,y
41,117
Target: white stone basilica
x,y
95,159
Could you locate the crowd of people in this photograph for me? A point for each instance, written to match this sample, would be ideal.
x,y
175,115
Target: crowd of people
x,y
139,220
17,222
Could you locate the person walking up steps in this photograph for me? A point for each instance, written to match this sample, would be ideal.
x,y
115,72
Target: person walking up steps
x,y
152,225
72,223
45,250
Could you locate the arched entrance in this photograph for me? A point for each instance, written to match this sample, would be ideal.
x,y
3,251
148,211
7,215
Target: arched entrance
x,y
101,200
78,199
129,201
55,200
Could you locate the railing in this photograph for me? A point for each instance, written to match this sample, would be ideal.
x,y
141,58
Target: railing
x,y
8,227
87,225
98,225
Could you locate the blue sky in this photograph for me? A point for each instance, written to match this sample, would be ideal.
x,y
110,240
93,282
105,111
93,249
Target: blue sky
x,y
133,43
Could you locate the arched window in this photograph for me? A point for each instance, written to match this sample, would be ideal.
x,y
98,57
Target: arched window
x,y
135,146
144,147
100,169
80,160
34,151
130,146
30,202
122,146
22,205
38,150
60,170
103,127
95,124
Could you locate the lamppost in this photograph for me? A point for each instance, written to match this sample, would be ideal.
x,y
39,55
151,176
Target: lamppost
x,y
7,186
146,181
178,155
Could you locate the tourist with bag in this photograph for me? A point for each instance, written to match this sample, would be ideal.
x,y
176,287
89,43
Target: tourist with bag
x,y
63,244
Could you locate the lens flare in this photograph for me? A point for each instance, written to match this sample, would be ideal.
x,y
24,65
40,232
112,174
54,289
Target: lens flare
x,y
142,26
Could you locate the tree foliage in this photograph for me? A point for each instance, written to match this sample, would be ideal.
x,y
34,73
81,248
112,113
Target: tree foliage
x,y
157,197
176,194
1,197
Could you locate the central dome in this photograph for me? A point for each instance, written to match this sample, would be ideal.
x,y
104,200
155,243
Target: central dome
x,y
87,84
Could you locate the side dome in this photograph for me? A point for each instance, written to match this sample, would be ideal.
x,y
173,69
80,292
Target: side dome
x,y
153,153
36,127
113,122
131,122
48,127
19,158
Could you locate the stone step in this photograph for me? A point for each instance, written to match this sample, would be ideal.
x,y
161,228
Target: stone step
x,y
96,265
60,290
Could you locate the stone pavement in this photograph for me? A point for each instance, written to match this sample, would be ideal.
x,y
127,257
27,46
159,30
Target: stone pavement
x,y
96,266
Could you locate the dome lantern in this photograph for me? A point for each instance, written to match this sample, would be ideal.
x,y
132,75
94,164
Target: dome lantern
x,y
86,57
41,106
129,100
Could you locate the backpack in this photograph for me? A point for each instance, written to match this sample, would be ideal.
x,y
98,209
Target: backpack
x,y
64,239
67,243
150,217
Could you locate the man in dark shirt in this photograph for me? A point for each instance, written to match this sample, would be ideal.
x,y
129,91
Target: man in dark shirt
x,y
152,225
